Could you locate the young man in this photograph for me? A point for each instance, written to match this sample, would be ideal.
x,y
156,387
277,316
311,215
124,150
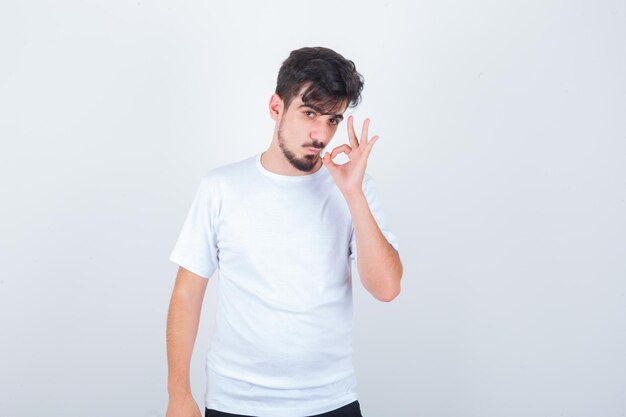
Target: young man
x,y
282,228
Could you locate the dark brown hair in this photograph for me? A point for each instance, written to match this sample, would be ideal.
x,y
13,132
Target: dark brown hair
x,y
328,79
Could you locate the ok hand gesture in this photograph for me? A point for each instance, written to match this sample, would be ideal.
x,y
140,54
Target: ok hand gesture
x,y
349,176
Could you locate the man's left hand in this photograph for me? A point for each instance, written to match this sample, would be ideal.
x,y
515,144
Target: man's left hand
x,y
349,176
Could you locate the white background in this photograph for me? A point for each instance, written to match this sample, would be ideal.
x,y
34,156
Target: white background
x,y
501,167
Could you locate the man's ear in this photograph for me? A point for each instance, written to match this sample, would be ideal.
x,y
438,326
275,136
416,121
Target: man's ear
x,y
276,106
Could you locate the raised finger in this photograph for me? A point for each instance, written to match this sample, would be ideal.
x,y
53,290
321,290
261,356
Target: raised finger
x,y
351,133
366,125
370,145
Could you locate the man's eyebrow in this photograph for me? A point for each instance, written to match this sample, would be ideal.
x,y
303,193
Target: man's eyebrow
x,y
320,111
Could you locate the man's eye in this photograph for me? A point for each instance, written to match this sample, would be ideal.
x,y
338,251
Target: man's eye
x,y
309,113
333,122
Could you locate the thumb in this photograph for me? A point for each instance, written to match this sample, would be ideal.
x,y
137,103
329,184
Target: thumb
x,y
326,160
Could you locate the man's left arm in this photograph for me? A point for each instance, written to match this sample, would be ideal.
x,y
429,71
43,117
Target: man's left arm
x,y
378,262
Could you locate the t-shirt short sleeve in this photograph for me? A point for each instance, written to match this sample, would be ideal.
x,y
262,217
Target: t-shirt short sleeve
x,y
196,247
369,189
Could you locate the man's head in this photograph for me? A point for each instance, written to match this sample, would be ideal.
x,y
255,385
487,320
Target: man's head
x,y
314,87
324,78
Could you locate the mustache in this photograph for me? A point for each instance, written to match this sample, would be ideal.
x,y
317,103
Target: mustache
x,y
315,144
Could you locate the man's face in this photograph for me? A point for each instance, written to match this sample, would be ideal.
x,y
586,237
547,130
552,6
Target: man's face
x,y
304,130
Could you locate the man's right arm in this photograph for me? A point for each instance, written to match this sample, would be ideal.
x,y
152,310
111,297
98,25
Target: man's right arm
x,y
182,328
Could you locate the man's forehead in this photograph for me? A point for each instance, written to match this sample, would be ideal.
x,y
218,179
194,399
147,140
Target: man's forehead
x,y
331,107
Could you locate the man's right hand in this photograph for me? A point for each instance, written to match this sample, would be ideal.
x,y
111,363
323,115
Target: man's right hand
x,y
182,326
183,407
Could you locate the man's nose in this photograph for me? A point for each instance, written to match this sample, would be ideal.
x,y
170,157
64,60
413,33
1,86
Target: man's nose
x,y
321,132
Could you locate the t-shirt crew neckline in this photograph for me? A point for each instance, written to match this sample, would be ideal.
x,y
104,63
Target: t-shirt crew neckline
x,y
288,178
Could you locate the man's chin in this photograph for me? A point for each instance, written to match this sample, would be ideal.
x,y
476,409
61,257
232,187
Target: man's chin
x,y
307,163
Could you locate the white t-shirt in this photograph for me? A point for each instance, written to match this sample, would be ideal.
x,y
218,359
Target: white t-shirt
x,y
282,246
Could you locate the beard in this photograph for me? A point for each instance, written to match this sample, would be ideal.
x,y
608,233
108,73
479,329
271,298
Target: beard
x,y
305,164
